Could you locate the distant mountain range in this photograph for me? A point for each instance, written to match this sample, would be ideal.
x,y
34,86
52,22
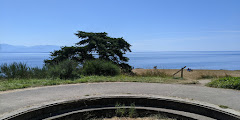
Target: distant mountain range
x,y
6,48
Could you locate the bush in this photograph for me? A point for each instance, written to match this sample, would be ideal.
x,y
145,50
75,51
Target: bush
x,y
226,82
15,70
21,71
100,67
67,69
39,73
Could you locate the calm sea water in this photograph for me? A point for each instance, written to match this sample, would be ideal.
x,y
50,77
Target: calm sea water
x,y
227,60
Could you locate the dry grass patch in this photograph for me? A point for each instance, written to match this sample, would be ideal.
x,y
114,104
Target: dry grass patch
x,y
195,74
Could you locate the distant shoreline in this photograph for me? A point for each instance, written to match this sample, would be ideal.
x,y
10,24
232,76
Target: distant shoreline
x,y
147,60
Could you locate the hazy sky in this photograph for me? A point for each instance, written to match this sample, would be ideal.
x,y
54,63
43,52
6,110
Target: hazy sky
x,y
149,25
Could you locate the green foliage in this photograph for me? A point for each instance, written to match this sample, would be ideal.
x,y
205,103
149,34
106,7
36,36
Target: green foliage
x,y
38,73
120,110
78,54
223,106
93,46
100,67
15,70
24,83
22,71
212,76
67,69
132,111
226,82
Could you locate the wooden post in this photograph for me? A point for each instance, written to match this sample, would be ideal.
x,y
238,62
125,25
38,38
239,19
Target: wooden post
x,y
182,74
179,71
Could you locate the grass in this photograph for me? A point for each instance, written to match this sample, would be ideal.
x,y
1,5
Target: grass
x,y
153,73
141,75
195,74
226,82
223,106
27,83
131,114
212,76
207,77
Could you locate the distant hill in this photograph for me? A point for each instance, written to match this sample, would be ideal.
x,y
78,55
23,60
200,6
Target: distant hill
x,y
5,48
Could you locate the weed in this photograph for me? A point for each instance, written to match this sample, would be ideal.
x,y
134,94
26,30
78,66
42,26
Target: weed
x,y
10,84
226,82
132,111
120,110
223,106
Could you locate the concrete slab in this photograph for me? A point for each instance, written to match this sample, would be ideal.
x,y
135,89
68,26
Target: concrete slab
x,y
11,101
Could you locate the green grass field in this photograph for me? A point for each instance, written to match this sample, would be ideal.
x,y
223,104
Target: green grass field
x,y
26,83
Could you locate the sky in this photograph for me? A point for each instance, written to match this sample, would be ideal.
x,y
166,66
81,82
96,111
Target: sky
x,y
148,25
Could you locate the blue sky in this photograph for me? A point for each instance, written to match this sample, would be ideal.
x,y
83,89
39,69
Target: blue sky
x,y
149,25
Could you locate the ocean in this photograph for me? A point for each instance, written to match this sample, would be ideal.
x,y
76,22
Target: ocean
x,y
217,60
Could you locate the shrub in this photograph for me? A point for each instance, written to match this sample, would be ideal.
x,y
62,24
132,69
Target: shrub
x,y
100,67
67,69
39,73
21,71
15,70
226,82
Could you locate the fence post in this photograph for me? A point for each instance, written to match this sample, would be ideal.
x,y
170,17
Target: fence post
x,y
179,71
182,74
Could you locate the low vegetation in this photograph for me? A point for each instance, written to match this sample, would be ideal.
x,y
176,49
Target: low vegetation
x,y
130,113
100,67
223,106
67,69
226,82
26,83
212,76
154,72
21,71
19,75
